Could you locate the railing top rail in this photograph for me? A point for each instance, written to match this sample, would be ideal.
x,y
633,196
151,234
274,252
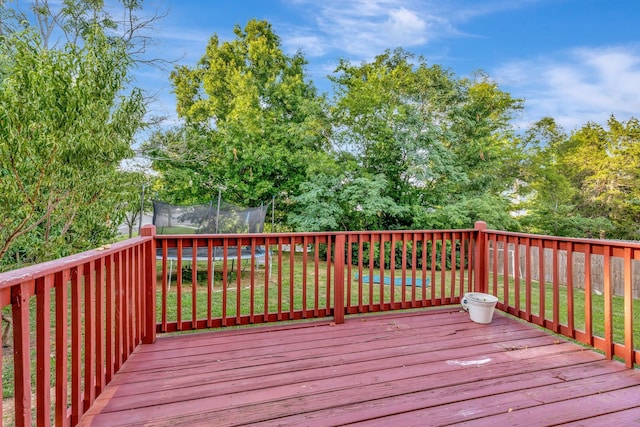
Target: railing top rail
x,y
596,242
304,234
32,272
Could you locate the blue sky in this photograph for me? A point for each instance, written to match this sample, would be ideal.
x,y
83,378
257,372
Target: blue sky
x,y
574,60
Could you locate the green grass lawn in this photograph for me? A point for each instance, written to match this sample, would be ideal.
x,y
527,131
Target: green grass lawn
x,y
304,288
597,310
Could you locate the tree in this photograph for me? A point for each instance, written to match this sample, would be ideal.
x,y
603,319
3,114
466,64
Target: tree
x,y
604,164
133,201
340,203
557,173
65,126
435,139
253,121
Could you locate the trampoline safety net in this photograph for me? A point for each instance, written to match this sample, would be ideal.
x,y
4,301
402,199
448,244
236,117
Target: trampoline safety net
x,y
220,218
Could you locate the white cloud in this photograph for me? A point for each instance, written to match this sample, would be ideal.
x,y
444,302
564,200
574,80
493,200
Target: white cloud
x,y
582,85
362,28
311,45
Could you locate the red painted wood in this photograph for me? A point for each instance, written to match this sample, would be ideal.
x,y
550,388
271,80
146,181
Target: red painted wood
x,y
628,309
494,260
76,344
328,290
392,269
126,304
165,286
89,335
136,269
588,304
414,268
305,261
452,239
109,319
555,268
570,296
100,327
338,294
517,276
505,271
131,301
350,378
210,280
608,304
125,273
432,241
21,353
423,238
292,263
43,349
194,280
179,283
119,313
541,283
61,285
528,312
150,285
371,266
480,273
443,267
1,387
463,261
279,312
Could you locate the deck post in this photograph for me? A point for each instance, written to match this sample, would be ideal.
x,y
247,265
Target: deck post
x,y
338,279
479,258
150,285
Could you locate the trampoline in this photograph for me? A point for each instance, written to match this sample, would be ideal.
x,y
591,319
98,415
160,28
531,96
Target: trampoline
x,y
223,218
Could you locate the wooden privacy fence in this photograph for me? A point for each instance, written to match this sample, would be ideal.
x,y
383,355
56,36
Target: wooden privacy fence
x,y
76,320
577,268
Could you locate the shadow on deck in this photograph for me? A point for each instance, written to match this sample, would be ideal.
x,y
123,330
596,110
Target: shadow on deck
x,y
418,368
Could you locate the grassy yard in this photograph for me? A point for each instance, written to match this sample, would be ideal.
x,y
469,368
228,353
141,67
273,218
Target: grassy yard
x,y
578,307
303,287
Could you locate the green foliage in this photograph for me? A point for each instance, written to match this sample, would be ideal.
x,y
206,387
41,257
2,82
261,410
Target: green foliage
x,y
253,122
133,187
585,184
65,125
495,211
331,203
440,146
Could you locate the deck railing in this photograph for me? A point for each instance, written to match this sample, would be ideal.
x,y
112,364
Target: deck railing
x,y
578,299
112,299
99,299
307,275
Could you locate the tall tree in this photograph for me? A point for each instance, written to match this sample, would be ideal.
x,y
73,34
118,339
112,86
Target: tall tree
x,y
432,136
604,164
550,197
259,117
65,125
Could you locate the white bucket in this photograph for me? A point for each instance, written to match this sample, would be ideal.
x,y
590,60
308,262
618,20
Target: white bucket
x,y
480,306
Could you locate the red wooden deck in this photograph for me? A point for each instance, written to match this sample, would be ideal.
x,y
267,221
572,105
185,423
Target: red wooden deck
x,y
400,369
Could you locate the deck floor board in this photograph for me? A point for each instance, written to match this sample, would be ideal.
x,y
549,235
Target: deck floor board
x,y
417,368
